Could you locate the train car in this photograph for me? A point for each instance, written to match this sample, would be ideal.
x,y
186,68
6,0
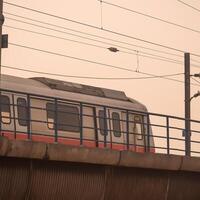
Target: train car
x,y
48,110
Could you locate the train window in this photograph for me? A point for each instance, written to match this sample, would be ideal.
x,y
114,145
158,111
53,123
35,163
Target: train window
x,y
138,126
5,109
116,124
102,123
50,115
22,111
67,117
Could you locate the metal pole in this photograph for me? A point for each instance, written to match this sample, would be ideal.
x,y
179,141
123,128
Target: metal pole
x,y
1,24
187,104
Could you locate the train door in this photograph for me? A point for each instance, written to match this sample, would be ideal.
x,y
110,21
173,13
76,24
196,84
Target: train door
x,y
132,146
6,115
118,139
89,126
136,133
139,130
103,127
21,116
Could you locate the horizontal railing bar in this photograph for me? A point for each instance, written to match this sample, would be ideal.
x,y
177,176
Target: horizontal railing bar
x,y
118,108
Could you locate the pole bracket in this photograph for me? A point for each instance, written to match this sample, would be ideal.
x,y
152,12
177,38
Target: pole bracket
x,y
2,19
4,41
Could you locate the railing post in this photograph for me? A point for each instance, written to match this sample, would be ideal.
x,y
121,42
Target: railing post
x,y
95,127
29,117
14,116
105,126
127,129
167,123
56,119
81,124
148,133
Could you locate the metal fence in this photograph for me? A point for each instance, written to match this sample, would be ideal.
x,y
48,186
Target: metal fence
x,y
162,133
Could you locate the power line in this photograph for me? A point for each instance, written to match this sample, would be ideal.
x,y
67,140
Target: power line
x,y
92,77
53,36
93,35
88,34
159,57
195,80
152,17
71,57
85,60
98,28
142,54
186,4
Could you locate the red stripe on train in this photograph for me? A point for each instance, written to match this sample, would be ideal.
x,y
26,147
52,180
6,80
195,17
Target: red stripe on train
x,y
72,142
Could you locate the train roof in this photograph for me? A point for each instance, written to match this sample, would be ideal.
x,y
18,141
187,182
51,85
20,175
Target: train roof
x,y
83,89
71,91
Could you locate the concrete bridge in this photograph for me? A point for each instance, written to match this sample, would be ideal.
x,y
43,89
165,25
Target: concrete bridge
x,y
33,170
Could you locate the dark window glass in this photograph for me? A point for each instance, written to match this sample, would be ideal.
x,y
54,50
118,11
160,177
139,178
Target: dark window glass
x,y
138,127
22,111
5,109
116,124
102,123
67,117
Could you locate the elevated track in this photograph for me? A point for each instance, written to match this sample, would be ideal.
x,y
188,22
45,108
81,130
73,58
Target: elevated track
x,y
33,170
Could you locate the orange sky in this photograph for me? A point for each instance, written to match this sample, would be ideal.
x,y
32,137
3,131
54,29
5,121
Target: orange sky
x,y
158,95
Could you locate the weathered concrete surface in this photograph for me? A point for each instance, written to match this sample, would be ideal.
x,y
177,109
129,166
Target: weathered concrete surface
x,y
50,180
60,152
34,170
151,161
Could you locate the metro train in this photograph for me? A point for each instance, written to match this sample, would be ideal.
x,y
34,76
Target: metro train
x,y
48,110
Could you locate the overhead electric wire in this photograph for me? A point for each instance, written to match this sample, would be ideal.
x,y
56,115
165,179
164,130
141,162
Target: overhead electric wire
x,y
142,54
86,60
98,28
152,17
93,35
54,36
83,37
88,34
71,57
195,80
91,77
186,4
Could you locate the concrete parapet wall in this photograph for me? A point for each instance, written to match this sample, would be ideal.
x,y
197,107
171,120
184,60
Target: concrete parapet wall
x,y
60,152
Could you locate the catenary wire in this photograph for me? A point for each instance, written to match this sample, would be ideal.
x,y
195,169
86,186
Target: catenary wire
x,y
195,80
86,60
152,17
186,4
67,56
142,54
98,28
93,35
91,77
54,36
83,37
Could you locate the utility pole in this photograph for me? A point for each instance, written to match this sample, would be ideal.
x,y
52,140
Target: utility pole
x,y
1,24
3,44
187,105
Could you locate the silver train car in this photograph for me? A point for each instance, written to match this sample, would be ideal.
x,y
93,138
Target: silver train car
x,y
48,110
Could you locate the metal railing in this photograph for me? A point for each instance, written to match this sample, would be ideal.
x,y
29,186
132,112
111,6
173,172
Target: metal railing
x,y
160,133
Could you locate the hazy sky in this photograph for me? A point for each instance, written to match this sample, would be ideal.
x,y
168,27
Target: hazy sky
x,y
158,95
